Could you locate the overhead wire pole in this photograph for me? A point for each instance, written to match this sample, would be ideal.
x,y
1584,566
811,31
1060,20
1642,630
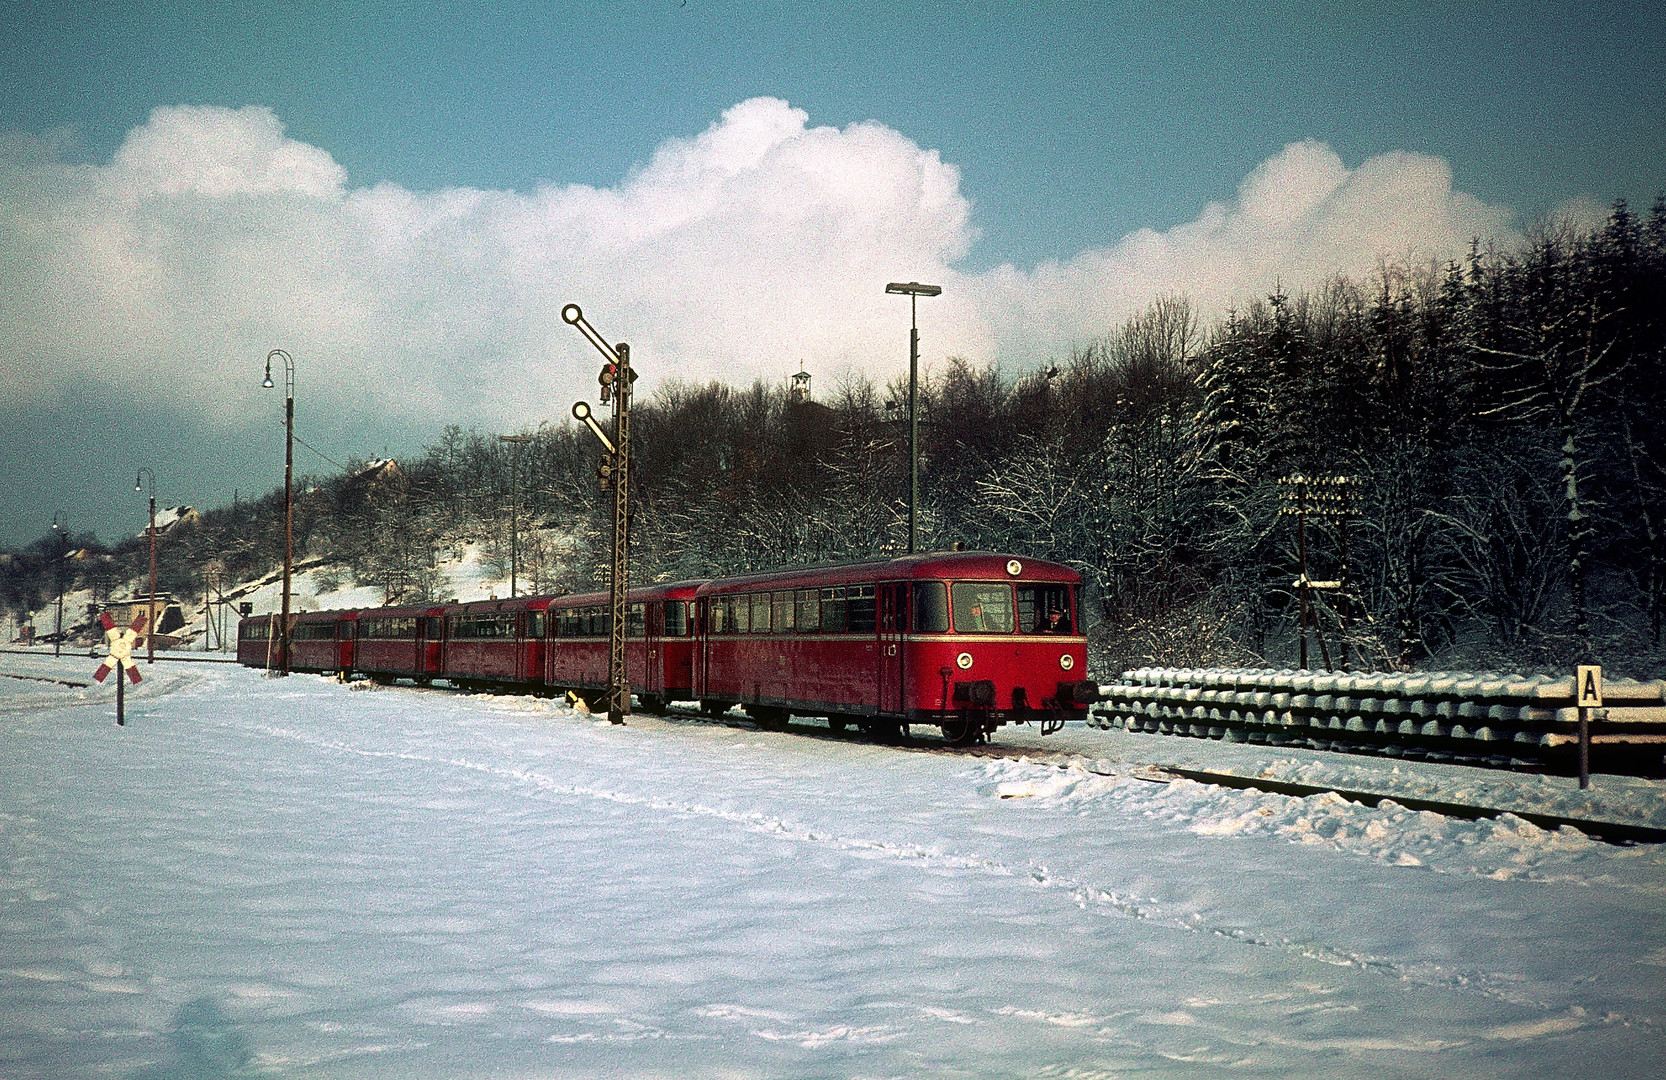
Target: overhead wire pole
x,y
288,493
913,290
514,508
150,624
60,525
616,378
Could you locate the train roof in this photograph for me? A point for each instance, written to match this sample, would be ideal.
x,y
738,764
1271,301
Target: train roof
x,y
970,565
636,594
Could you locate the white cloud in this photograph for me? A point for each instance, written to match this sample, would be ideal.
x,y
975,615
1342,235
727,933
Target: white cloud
x,y
1299,217
211,237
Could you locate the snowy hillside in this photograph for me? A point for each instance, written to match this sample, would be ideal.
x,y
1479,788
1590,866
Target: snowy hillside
x,y
315,585
300,878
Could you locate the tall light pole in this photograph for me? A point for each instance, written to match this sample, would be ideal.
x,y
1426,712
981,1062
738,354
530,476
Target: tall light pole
x,y
514,508
60,525
150,625
913,290
615,379
288,493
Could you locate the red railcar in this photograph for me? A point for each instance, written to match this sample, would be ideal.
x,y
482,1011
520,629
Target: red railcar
x,y
401,642
659,643
496,642
967,641
322,641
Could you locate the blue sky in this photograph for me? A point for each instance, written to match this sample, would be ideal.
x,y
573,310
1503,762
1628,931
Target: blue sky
x,y
1038,135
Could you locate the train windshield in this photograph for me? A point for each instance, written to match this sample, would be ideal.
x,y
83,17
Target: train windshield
x,y
1044,609
982,607
931,607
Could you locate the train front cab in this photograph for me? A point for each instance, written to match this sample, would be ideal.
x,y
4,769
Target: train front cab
x,y
965,641
986,640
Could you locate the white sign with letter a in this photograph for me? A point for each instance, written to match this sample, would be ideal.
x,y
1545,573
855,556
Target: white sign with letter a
x,y
1587,687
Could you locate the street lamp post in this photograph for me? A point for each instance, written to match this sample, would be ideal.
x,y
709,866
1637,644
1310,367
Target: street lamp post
x,y
514,509
150,624
60,525
913,290
288,494
616,378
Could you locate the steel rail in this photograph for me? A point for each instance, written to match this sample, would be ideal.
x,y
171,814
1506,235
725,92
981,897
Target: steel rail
x,y
1613,832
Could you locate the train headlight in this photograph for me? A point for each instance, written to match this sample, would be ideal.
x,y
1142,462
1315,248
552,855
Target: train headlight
x,y
963,661
1014,567
1067,661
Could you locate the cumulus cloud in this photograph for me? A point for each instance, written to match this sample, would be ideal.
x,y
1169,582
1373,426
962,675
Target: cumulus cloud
x,y
759,243
1299,217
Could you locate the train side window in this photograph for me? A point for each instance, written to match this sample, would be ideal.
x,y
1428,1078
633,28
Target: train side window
x,y
676,618
760,613
931,607
860,606
982,607
1044,609
833,610
893,608
740,614
807,611
783,604
535,624
636,621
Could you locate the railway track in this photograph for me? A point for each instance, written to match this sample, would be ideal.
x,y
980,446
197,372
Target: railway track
x,y
1612,832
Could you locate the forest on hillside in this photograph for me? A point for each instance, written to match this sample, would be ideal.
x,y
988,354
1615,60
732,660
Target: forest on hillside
x,y
1477,447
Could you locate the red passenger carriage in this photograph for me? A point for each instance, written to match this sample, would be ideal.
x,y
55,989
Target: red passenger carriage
x,y
659,643
401,642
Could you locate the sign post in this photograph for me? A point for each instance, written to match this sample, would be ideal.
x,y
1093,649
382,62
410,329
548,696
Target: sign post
x,y
120,659
1587,695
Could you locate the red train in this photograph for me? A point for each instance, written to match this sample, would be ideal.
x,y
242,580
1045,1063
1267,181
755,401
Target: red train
x,y
965,641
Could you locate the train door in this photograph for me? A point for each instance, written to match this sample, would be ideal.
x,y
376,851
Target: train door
x,y
892,621
653,629
430,631
701,612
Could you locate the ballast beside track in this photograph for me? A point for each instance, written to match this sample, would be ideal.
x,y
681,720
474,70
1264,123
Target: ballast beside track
x,y
1491,719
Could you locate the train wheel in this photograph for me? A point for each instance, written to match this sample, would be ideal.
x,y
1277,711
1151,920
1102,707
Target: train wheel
x,y
713,708
962,732
768,717
653,703
837,723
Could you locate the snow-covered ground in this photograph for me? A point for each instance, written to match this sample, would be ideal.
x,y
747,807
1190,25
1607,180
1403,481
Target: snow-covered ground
x,y
300,878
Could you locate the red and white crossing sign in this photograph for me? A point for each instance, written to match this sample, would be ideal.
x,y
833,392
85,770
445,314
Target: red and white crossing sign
x,y
121,644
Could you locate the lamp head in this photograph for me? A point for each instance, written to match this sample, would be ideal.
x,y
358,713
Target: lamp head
x,y
267,384
913,288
